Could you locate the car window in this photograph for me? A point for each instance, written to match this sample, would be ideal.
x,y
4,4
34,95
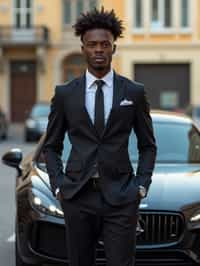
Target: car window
x,y
176,142
40,161
40,110
198,111
189,111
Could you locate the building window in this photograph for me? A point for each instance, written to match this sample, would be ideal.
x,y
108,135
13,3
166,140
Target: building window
x,y
73,66
67,11
168,13
73,8
161,14
92,4
184,13
79,7
138,14
22,13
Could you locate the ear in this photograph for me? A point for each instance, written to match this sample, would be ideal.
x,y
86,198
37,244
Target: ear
x,y
114,48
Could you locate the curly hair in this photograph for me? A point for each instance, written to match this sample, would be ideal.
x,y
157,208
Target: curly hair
x,y
99,19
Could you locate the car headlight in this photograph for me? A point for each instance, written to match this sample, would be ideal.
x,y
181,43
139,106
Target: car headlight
x,y
30,123
41,202
195,217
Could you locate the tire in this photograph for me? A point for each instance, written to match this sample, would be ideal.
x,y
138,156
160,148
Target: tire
x,y
4,136
27,137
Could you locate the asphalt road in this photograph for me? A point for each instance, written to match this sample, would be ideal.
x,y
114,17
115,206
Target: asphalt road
x,y
7,196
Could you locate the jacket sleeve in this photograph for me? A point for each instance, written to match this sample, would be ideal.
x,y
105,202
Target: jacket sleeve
x,y
145,141
53,144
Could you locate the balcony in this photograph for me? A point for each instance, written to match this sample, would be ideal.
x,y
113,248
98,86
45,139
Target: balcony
x,y
34,36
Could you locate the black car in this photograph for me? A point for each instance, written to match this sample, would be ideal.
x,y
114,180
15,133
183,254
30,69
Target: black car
x,y
36,122
3,125
194,112
169,215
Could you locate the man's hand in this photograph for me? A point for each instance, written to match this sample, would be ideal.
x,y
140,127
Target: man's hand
x,y
58,194
142,192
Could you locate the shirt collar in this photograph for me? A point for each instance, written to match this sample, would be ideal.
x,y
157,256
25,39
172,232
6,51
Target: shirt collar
x,y
90,79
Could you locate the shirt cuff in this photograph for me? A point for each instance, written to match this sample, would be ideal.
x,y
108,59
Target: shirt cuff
x,y
57,191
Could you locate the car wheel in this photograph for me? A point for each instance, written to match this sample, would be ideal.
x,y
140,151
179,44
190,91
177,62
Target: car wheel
x,y
4,136
27,137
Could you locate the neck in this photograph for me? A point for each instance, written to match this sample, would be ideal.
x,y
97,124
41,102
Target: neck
x,y
99,73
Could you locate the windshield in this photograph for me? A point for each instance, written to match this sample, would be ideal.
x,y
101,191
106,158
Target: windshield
x,y
176,142
40,110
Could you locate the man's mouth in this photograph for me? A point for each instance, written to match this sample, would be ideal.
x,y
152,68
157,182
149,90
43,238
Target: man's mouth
x,y
99,59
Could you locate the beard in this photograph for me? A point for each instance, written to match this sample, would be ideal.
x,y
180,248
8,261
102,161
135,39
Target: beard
x,y
99,67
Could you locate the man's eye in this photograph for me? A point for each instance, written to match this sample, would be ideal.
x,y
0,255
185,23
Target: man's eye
x,y
106,44
91,44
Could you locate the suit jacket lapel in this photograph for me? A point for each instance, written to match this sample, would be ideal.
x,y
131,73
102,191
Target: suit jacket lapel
x,y
81,84
118,95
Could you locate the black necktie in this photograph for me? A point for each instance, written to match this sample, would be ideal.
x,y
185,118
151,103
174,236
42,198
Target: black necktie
x,y
99,107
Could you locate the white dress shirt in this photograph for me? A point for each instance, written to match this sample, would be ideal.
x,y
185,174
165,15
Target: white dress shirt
x,y
90,90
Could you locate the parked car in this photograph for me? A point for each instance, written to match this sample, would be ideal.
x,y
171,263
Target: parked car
x,y
3,125
194,112
169,215
36,122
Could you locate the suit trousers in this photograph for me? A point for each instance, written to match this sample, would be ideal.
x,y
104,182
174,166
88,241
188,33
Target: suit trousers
x,y
88,217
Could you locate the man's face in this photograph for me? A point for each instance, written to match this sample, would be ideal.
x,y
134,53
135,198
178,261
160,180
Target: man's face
x,y
98,47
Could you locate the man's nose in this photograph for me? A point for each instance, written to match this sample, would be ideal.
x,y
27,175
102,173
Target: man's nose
x,y
99,48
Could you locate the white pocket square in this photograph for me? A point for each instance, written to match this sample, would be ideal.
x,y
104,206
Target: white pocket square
x,y
126,102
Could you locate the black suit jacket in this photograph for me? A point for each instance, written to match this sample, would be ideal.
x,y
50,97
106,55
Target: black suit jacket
x,y
109,151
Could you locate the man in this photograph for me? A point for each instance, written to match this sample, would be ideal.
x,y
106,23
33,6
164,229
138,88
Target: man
x,y
99,192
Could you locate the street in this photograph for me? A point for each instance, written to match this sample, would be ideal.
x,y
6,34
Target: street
x,y
7,196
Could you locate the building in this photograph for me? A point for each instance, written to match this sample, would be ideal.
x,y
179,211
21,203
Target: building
x,y
162,50
38,49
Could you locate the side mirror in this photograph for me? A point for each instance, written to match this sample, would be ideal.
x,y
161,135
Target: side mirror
x,y
13,158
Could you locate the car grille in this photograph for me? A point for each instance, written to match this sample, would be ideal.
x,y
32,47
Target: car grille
x,y
160,228
48,239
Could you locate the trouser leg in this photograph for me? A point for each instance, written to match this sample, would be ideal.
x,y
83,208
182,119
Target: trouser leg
x,y
82,228
119,234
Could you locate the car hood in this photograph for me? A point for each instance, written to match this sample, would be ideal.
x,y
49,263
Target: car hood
x,y
174,186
